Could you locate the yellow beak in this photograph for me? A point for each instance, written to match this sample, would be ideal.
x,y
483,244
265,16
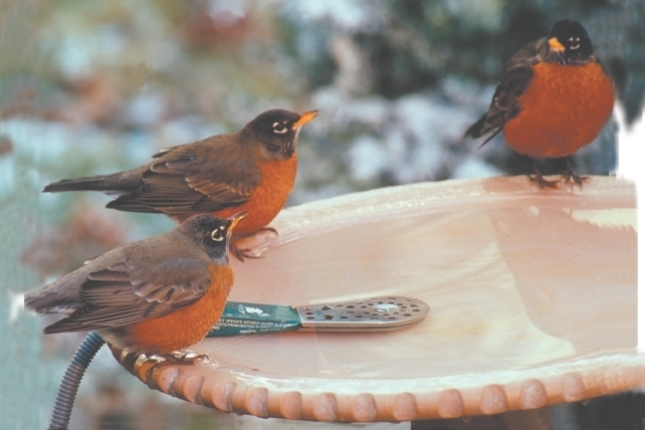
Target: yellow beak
x,y
556,45
234,219
304,119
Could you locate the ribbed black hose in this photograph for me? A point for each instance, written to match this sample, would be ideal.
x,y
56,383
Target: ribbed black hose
x,y
72,379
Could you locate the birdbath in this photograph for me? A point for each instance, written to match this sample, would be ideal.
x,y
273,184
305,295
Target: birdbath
x,y
532,297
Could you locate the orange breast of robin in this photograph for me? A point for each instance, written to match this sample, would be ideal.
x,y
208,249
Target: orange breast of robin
x,y
186,326
563,109
266,201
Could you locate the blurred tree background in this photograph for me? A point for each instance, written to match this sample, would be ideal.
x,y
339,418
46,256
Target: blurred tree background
x,y
91,87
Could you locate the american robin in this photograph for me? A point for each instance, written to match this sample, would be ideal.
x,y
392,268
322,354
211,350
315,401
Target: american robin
x,y
253,170
158,295
554,99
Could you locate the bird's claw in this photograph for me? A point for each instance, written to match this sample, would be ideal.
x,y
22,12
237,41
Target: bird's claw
x,y
184,357
537,177
543,182
175,357
271,229
242,253
570,176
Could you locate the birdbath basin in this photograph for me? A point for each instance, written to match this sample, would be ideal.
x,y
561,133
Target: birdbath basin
x,y
532,297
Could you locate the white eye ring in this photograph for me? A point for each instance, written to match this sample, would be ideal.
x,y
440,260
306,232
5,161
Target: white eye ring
x,y
279,128
577,43
216,235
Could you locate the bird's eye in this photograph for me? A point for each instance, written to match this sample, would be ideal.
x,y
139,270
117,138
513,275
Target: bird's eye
x,y
574,43
218,234
279,128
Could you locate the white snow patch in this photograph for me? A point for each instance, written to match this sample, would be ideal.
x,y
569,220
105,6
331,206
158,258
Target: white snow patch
x,y
473,167
348,14
368,158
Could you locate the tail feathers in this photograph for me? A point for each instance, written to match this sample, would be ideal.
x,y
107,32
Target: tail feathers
x,y
48,301
481,128
476,130
66,325
106,183
83,319
49,304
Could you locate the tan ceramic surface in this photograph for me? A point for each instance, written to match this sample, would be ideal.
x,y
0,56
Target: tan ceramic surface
x,y
532,298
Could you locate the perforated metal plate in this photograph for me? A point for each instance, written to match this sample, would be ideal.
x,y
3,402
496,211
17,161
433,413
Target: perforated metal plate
x,y
375,314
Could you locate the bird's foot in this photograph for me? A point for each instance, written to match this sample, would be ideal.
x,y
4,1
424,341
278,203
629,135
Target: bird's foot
x,y
175,357
544,182
242,253
570,176
271,229
537,177
183,357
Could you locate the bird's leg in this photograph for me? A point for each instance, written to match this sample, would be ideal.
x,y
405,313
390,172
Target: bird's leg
x,y
184,357
570,176
537,177
175,357
271,229
242,253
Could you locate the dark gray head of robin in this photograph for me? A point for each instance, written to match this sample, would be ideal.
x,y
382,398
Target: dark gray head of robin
x,y
278,130
212,232
568,43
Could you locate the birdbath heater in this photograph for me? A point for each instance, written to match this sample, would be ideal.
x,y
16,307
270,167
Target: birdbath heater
x,y
532,297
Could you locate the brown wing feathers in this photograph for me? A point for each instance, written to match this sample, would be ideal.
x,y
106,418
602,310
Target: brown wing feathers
x,y
505,104
120,294
181,185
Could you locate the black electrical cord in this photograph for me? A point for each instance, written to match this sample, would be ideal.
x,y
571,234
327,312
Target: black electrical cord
x,y
72,379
